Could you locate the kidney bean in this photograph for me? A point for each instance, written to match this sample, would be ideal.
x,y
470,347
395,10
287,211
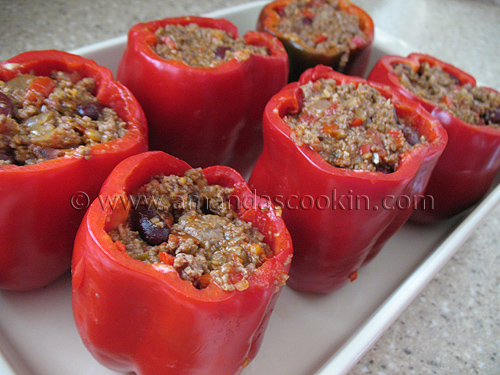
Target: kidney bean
x,y
142,221
220,52
5,156
307,20
90,109
411,135
493,116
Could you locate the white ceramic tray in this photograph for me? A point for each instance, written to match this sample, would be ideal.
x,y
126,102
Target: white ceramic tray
x,y
308,334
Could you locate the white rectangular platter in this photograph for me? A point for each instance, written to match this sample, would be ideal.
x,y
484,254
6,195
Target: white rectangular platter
x,y
308,334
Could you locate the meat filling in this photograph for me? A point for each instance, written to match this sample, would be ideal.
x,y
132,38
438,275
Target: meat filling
x,y
202,46
191,226
352,127
473,104
321,25
43,118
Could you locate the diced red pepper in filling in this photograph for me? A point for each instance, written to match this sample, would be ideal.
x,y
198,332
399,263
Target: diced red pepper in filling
x,y
332,108
169,42
399,138
357,122
448,101
307,13
121,246
330,129
166,258
39,88
366,148
320,38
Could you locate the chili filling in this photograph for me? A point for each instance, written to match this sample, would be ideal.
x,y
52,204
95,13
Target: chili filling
x,y
202,46
472,104
43,118
353,127
190,225
320,24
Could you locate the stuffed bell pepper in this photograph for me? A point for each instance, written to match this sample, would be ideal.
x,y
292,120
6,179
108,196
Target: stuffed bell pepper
x,y
176,270
203,88
471,117
64,125
347,160
335,33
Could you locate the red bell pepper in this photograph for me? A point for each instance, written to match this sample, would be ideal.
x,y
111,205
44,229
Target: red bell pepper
x,y
134,316
339,218
205,116
42,204
471,159
302,56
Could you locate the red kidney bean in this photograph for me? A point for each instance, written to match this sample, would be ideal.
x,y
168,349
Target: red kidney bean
x,y
220,52
411,135
141,222
5,156
493,116
90,109
307,20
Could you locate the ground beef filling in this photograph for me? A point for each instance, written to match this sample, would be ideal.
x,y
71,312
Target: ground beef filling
x,y
321,25
202,46
43,118
472,104
190,225
352,127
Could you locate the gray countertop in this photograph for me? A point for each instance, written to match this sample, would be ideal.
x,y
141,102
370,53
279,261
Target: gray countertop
x,y
453,326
